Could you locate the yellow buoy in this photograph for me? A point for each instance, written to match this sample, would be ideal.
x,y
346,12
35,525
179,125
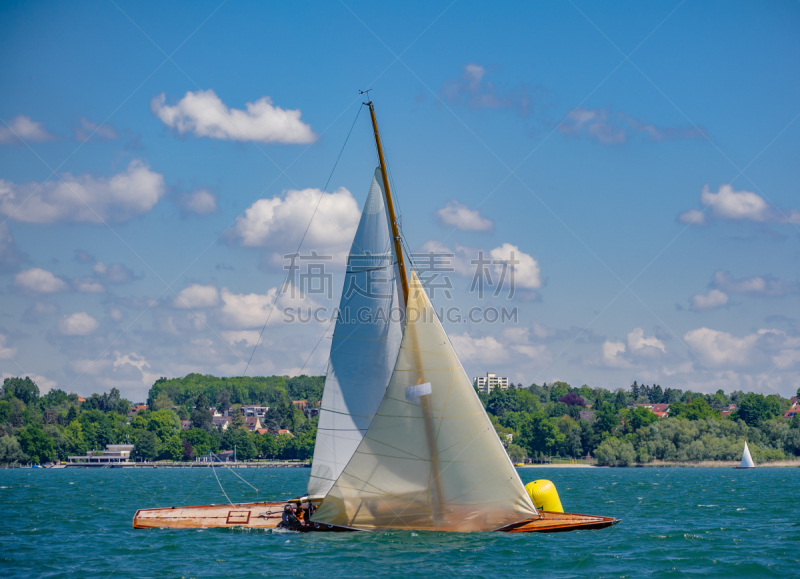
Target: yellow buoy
x,y
544,496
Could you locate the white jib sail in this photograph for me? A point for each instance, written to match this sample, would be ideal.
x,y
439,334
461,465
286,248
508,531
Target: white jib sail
x,y
431,459
747,460
365,343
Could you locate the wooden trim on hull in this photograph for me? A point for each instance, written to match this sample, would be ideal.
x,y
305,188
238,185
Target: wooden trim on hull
x,y
560,523
268,515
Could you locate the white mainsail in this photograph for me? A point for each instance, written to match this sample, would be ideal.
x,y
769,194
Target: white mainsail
x,y
747,460
364,346
431,459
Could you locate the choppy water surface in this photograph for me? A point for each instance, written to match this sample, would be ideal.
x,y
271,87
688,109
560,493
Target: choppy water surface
x,y
676,522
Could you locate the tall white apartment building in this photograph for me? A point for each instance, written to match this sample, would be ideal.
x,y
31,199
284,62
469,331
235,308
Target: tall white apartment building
x,y
490,382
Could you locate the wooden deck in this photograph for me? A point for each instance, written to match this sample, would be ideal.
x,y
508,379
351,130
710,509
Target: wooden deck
x,y
249,515
268,515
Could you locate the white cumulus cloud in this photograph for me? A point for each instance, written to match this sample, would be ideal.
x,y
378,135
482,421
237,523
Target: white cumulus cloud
x,y
527,274
84,198
22,128
712,300
730,205
717,348
39,280
200,202
693,217
279,222
642,345
205,115
250,311
6,352
613,355
246,338
197,296
756,285
78,324
89,285
463,218
479,350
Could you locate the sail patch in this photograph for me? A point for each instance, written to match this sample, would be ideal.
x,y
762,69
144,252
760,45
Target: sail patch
x,y
413,393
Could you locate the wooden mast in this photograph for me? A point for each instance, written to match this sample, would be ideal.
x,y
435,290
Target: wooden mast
x,y
398,246
425,402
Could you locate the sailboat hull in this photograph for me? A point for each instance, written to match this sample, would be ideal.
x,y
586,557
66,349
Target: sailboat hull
x,y
268,515
560,523
246,515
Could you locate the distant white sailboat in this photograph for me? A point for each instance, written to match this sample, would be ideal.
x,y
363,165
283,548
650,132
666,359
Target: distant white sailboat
x,y
747,460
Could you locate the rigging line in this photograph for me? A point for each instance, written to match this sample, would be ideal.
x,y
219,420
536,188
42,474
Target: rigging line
x,y
220,484
229,468
300,373
299,245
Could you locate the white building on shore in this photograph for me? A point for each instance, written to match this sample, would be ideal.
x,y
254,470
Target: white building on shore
x,y
491,381
113,454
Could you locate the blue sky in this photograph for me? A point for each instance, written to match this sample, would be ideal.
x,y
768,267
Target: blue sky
x,y
640,160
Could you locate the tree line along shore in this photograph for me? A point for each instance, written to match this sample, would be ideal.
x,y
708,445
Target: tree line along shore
x,y
617,428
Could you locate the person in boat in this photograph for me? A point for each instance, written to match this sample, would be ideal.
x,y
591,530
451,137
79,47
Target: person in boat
x,y
289,520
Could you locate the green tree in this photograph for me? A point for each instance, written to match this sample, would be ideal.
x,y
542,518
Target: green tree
x,y
614,452
267,447
162,401
23,388
304,444
606,419
240,440
637,418
202,418
172,449
589,438
541,434
516,453
55,398
696,409
76,443
284,446
147,445
200,440
223,401
164,423
11,451
36,444
755,409
5,411
272,420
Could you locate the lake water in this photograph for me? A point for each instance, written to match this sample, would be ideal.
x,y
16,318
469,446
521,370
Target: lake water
x,y
676,522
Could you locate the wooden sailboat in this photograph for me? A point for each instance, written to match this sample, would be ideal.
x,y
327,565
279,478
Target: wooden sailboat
x,y
747,460
403,441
